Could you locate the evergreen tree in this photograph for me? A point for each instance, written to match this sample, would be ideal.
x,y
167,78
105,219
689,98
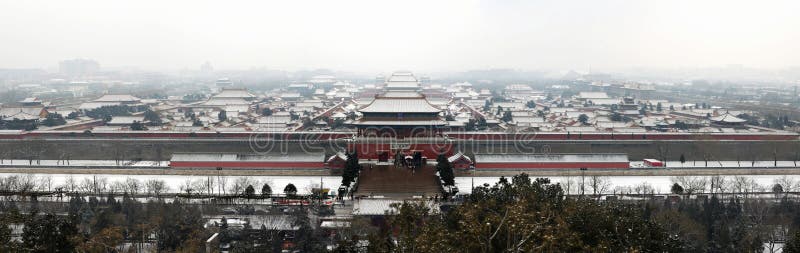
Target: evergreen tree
x,y
72,115
351,168
249,191
507,117
266,190
470,125
530,104
223,116
6,245
152,118
290,190
445,170
54,119
138,126
793,243
676,189
49,233
583,118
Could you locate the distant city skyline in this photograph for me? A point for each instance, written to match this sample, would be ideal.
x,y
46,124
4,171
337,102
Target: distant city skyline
x,y
372,36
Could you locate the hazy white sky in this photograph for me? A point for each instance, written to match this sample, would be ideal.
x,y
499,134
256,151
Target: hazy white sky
x,y
417,35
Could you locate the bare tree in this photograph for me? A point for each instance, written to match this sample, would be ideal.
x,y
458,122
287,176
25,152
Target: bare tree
x,y
222,183
70,184
133,186
46,183
568,183
26,183
691,184
787,183
644,188
622,190
745,185
155,187
599,185
209,185
200,186
240,183
187,186
117,186
718,184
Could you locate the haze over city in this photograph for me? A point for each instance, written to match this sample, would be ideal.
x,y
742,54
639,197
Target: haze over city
x,y
427,36
399,126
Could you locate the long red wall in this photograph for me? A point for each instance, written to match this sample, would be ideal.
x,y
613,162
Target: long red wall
x,y
260,164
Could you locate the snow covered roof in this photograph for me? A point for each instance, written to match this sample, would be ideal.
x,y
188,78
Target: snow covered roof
x,y
338,155
402,94
727,118
23,113
400,105
117,98
580,129
30,100
605,101
518,87
592,95
457,156
290,95
218,101
125,120
274,119
402,80
301,85
401,122
234,93
95,105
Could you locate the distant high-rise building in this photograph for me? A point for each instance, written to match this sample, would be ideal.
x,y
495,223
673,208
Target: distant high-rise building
x,y
206,68
78,67
224,83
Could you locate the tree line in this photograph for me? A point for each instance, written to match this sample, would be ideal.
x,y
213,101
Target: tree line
x,y
534,215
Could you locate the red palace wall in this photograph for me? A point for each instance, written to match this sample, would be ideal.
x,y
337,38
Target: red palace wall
x,y
335,164
575,165
263,165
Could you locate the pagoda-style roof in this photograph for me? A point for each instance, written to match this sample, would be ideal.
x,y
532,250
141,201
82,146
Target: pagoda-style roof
x,y
234,93
458,156
727,118
117,98
400,102
432,122
402,80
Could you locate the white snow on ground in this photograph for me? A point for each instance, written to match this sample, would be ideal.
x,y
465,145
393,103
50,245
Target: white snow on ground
x,y
661,184
725,164
304,184
58,163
